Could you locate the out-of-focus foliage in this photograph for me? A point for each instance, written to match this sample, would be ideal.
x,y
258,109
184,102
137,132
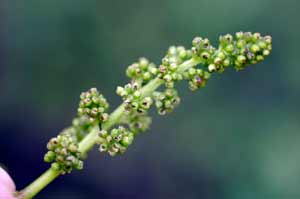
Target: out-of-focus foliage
x,y
237,138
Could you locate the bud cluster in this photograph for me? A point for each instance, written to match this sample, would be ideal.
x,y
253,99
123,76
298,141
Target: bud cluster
x,y
246,48
250,49
178,64
142,71
93,105
197,78
63,152
133,100
116,142
166,101
170,63
203,50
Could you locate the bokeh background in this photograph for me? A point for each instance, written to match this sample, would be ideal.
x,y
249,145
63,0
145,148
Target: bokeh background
x,y
237,138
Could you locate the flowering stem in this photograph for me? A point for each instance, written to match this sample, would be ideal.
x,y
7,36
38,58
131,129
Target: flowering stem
x,y
65,153
90,140
41,182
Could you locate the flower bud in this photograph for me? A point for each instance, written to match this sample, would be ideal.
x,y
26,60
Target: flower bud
x,y
211,68
49,157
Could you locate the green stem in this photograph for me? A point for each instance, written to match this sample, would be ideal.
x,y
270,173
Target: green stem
x,y
41,182
89,141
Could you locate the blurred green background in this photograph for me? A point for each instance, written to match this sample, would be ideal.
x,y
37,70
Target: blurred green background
x,y
237,138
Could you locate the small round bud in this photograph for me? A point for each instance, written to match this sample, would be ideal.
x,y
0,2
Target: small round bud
x,y
173,66
217,61
137,94
241,43
120,91
266,52
241,59
196,41
49,156
226,62
259,58
229,48
55,166
103,147
147,76
221,55
254,48
73,148
143,63
268,39
212,68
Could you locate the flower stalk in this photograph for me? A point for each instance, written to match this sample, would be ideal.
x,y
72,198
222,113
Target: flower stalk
x,y
94,126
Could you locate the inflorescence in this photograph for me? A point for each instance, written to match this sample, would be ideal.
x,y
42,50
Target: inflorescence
x,y
238,51
116,142
63,151
93,106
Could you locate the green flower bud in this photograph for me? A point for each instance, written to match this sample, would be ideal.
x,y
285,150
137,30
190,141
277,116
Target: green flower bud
x,y
49,157
103,147
137,94
226,62
173,66
120,91
217,61
259,58
168,78
212,68
241,59
147,76
266,52
152,69
126,141
79,165
205,55
254,48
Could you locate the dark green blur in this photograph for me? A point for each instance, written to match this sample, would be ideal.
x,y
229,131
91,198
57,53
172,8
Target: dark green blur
x,y
237,138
